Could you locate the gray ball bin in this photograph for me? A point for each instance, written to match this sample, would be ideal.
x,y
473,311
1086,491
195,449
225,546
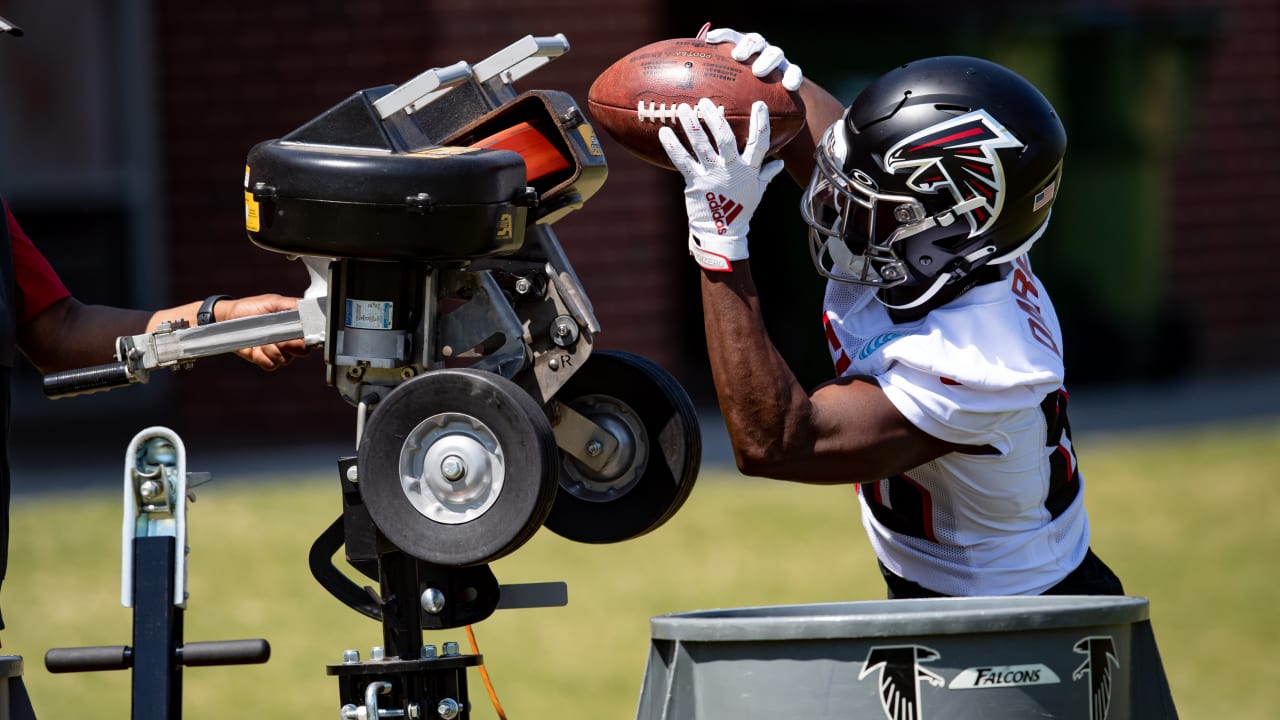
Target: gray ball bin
x,y
11,692
1085,658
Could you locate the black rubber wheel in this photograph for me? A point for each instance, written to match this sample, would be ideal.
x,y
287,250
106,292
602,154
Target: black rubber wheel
x,y
654,469
458,467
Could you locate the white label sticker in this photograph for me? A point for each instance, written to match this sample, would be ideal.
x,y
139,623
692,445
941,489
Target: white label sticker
x,y
1004,676
369,314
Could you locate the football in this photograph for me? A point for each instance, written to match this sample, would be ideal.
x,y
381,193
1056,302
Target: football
x,y
638,94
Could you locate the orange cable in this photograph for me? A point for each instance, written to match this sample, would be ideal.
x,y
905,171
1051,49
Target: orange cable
x,y
484,675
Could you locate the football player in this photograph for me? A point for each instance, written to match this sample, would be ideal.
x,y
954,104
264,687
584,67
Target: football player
x,y
948,413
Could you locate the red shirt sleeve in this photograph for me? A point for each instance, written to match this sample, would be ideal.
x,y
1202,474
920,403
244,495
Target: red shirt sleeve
x,y
38,285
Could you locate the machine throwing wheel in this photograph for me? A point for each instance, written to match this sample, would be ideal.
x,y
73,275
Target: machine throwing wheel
x,y
458,467
659,451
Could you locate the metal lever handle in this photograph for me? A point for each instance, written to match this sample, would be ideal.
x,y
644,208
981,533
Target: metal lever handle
x,y
83,381
88,659
370,710
224,652
178,347
120,657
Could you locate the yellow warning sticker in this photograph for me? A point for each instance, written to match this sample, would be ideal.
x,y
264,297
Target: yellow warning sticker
x,y
506,227
589,137
252,222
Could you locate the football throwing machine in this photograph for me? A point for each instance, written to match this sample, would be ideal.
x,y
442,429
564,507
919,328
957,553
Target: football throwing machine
x,y
453,323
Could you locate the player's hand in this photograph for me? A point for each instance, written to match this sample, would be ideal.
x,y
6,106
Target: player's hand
x,y
722,186
267,357
768,57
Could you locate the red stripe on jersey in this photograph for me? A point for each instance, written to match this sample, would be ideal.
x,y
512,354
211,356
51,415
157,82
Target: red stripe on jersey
x,y
827,328
926,509
841,360
1066,455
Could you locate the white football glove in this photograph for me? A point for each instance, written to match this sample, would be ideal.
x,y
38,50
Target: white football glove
x,y
771,56
722,187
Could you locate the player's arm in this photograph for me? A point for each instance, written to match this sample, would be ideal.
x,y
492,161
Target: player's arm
x,y
846,431
821,109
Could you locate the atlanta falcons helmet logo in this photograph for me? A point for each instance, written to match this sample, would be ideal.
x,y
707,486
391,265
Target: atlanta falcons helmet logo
x,y
958,156
1100,656
899,677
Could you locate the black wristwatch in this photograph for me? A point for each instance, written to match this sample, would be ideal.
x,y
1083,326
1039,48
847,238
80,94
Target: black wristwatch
x,y
205,316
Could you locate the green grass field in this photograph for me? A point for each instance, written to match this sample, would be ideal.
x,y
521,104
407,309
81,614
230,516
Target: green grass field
x,y
1187,519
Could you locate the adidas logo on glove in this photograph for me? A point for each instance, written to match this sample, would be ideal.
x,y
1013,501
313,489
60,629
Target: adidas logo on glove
x,y
723,211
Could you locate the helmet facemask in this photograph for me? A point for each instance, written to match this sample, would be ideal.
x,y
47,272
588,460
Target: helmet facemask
x,y
859,234
857,231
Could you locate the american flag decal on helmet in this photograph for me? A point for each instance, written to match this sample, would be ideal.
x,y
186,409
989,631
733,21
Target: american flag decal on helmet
x,y
1044,197
959,156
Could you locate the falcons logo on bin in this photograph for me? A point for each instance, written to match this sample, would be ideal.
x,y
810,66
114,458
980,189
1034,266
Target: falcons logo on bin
x,y
1100,656
958,156
899,677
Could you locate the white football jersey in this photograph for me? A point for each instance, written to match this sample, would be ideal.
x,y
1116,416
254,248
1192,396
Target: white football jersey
x,y
986,371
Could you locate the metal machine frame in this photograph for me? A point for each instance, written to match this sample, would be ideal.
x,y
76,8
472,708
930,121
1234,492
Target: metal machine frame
x,y
482,412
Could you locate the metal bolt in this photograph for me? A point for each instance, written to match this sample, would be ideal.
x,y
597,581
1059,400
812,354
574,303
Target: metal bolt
x,y
453,468
377,652
350,712
594,447
523,286
415,711
353,474
428,652
564,331
450,649
554,364
350,656
432,600
448,709
407,373
149,490
571,118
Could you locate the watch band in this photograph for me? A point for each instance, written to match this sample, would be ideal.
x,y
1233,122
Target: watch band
x,y
205,316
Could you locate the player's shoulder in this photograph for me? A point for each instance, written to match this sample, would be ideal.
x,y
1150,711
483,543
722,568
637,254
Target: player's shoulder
x,y
990,338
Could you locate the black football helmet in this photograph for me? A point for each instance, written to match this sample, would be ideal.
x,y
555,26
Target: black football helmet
x,y
938,168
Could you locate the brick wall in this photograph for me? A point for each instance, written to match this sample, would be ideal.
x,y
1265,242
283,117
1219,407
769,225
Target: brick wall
x,y
236,73
1223,236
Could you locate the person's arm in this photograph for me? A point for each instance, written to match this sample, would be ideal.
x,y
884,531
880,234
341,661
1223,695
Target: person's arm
x,y
821,109
69,334
846,431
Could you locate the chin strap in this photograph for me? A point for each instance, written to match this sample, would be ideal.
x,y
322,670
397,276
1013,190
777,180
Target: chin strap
x,y
944,278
